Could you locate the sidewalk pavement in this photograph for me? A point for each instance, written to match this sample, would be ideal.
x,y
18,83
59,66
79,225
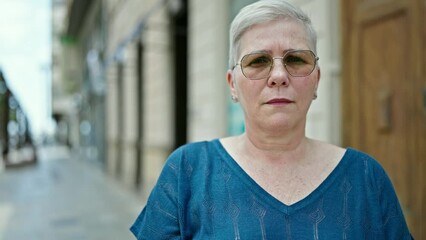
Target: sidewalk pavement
x,y
61,198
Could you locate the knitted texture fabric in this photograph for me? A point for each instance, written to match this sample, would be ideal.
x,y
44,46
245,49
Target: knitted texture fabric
x,y
202,193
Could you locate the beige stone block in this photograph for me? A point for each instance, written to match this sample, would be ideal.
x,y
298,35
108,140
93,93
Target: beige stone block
x,y
154,161
128,174
111,164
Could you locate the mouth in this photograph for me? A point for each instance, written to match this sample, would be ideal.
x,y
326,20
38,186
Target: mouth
x,y
279,101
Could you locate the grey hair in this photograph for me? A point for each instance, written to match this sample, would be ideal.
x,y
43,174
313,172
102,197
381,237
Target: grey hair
x,y
261,12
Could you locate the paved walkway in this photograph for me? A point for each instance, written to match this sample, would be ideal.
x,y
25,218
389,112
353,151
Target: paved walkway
x,y
61,198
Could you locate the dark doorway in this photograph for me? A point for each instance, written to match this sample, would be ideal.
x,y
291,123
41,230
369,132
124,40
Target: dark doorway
x,y
139,114
179,27
120,118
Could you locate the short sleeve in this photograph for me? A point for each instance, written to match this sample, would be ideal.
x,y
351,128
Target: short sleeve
x,y
394,225
159,218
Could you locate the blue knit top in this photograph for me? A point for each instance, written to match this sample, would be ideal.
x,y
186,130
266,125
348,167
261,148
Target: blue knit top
x,y
202,193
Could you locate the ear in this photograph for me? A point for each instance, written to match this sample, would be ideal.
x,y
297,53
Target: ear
x,y
231,83
318,78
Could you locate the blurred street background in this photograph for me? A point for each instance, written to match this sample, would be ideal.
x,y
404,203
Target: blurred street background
x,y
95,94
63,197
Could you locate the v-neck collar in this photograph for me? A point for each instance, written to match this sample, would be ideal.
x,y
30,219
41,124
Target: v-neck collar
x,y
262,194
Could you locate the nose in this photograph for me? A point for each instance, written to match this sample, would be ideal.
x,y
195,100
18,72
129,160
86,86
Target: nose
x,y
279,75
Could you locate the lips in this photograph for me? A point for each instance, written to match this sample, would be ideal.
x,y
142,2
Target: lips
x,y
279,101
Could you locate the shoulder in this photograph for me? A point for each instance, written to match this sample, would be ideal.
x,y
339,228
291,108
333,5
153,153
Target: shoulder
x,y
350,155
364,160
193,154
367,170
193,149
355,164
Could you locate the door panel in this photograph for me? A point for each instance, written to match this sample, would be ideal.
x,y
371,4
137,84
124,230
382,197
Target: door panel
x,y
383,71
385,96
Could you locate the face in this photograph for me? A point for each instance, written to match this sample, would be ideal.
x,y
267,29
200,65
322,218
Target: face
x,y
280,100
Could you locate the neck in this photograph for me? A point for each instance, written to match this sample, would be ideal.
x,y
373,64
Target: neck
x,y
283,137
275,148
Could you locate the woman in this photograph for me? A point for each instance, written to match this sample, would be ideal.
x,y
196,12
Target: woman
x,y
272,182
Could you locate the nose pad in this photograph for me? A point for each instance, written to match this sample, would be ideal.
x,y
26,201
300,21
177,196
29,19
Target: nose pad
x,y
279,75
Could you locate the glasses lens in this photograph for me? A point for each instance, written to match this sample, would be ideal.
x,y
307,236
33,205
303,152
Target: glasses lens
x,y
256,65
299,63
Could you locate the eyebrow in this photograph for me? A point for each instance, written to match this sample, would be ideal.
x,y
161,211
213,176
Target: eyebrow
x,y
258,51
269,52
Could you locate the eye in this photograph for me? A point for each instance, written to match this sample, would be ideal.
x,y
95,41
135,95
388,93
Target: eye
x,y
257,60
292,59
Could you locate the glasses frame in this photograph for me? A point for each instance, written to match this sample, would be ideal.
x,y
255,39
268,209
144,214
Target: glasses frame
x,y
282,60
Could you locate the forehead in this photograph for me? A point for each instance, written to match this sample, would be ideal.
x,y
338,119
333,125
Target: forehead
x,y
278,35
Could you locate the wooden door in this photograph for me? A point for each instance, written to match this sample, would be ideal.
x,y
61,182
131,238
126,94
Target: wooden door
x,y
383,81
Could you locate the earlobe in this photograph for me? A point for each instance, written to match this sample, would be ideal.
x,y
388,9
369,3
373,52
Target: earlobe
x,y
318,78
234,99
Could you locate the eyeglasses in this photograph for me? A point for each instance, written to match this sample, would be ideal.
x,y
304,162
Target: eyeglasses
x,y
298,63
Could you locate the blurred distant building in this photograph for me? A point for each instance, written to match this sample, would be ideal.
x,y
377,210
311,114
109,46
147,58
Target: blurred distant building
x,y
4,114
65,78
77,78
15,133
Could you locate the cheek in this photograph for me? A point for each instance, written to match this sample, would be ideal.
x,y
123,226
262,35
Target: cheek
x,y
305,92
248,91
307,86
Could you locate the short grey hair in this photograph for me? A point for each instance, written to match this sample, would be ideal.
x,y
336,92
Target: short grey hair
x,y
261,12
